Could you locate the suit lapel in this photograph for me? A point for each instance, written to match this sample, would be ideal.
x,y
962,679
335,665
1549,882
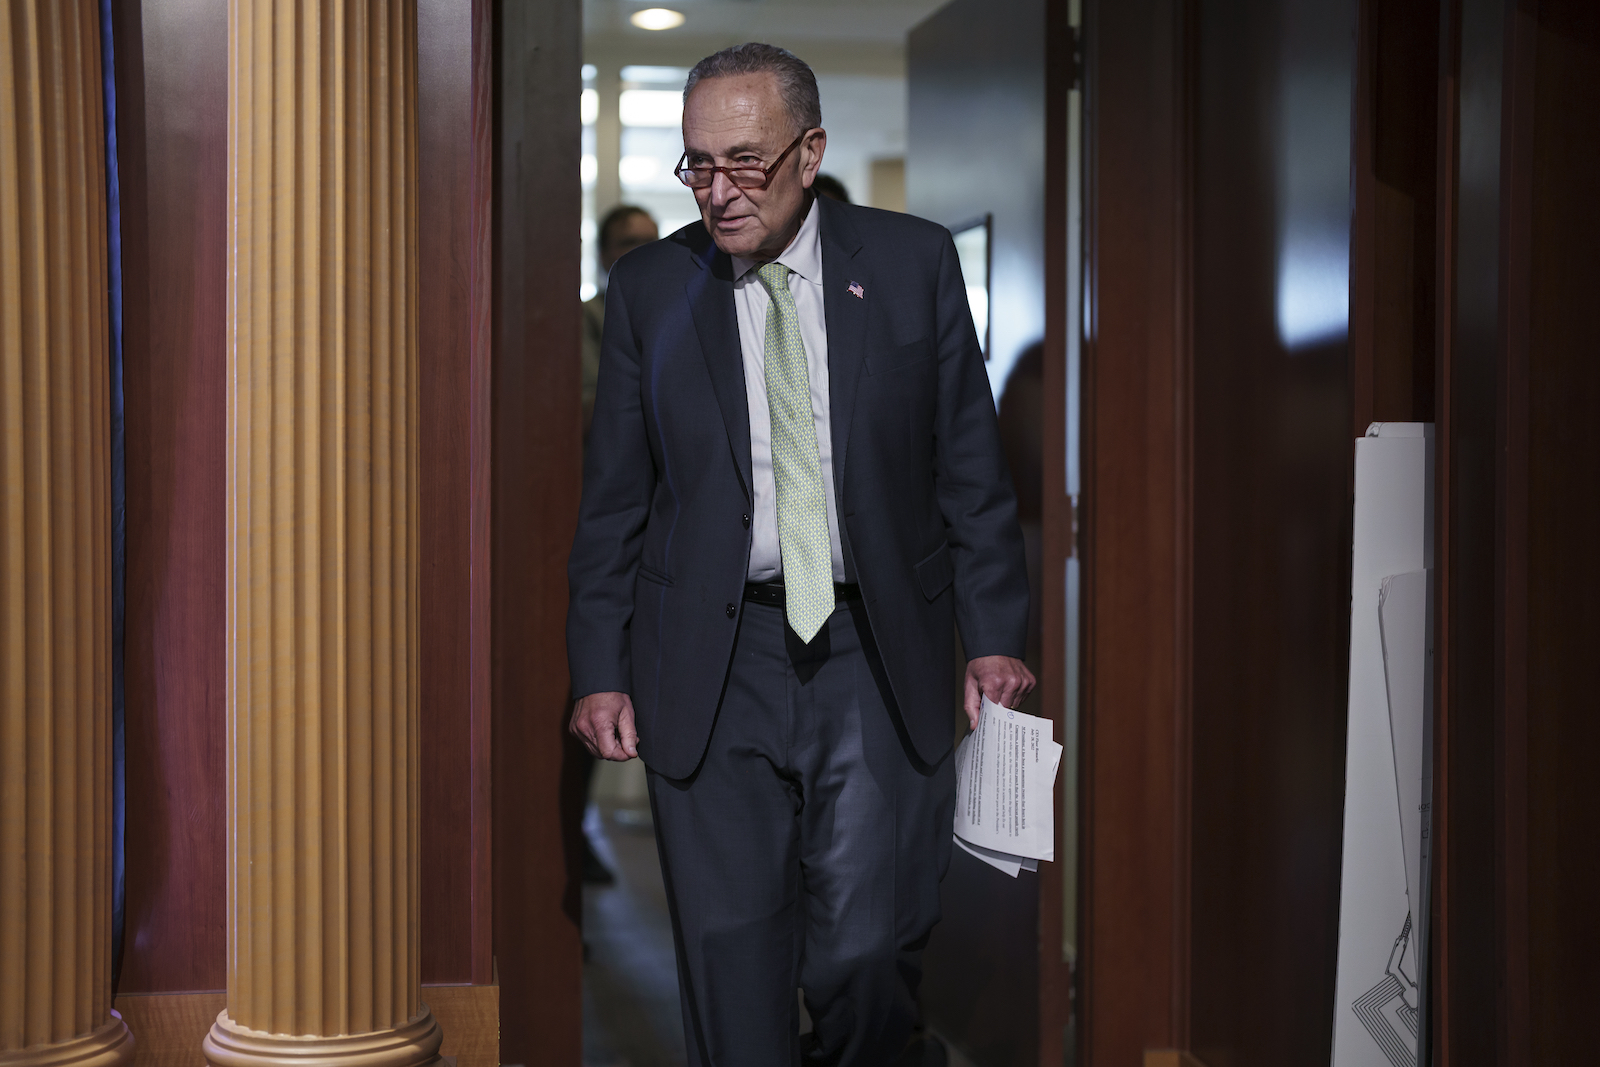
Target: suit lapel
x,y
710,293
843,267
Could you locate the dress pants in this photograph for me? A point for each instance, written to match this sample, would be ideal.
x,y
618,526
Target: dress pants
x,y
806,851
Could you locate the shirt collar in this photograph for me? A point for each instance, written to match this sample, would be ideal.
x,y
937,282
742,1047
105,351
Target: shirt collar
x,y
803,256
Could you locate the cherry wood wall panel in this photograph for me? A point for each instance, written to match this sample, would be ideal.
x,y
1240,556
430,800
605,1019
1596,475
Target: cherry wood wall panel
x,y
172,91
1479,317
1472,34
536,442
1564,573
1272,468
1518,823
1549,575
1218,448
444,292
1393,257
480,524
1133,979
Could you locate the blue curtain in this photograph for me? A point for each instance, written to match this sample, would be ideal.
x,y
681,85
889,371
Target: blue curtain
x,y
119,555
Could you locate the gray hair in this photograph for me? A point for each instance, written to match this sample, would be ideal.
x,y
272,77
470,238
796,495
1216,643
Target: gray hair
x,y
797,86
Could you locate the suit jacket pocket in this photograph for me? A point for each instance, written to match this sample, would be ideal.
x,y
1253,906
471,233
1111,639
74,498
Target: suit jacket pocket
x,y
936,572
905,355
650,574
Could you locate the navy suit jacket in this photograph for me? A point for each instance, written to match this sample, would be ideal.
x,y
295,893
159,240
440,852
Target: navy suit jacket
x,y
926,508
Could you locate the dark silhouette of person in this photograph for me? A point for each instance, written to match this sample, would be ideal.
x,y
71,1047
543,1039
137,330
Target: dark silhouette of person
x,y
832,188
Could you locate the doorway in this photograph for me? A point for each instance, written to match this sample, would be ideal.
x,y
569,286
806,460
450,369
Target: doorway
x,y
914,94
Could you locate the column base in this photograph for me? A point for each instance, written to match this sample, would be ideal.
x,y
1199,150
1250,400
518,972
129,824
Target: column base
x,y
108,1045
413,1045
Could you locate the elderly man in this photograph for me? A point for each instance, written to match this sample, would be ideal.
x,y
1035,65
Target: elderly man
x,y
793,497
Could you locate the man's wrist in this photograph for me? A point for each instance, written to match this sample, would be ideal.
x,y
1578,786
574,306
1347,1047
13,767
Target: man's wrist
x,y
990,655
600,693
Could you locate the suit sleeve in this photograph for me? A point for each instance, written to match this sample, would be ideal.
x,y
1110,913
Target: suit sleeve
x,y
973,484
619,480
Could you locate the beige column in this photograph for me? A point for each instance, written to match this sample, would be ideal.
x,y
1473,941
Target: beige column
x,y
55,545
322,538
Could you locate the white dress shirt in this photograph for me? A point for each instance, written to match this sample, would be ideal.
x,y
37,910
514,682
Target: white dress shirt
x,y
804,258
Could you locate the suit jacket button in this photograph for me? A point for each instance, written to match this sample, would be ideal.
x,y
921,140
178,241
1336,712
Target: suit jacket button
x,y
732,611
746,519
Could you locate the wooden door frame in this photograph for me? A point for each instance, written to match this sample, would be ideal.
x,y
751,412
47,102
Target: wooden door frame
x,y
527,419
1134,531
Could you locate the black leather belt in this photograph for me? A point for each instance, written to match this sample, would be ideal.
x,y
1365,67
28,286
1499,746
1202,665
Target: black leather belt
x,y
771,593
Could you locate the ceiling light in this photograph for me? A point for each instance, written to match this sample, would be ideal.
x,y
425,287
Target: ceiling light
x,y
657,18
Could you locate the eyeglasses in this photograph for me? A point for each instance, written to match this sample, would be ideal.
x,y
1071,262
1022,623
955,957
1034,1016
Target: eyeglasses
x,y
747,176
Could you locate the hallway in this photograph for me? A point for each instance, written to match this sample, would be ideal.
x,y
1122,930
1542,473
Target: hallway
x,y
630,981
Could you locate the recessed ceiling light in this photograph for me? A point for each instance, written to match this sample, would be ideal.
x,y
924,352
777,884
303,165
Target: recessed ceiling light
x,y
657,18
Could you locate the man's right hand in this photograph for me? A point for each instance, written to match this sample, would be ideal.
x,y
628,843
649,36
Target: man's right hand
x,y
604,723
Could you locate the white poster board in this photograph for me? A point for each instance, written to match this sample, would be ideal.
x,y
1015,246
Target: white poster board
x,y
1378,1006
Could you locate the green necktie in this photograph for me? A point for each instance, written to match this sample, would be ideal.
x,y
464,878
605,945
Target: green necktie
x,y
796,467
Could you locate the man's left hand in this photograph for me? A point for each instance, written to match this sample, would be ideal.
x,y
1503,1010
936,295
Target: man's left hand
x,y
1004,680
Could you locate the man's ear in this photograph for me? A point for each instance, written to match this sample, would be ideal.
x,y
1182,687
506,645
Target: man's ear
x,y
811,150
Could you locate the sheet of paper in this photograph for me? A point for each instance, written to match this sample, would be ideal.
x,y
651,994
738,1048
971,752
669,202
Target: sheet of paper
x,y
998,860
1005,784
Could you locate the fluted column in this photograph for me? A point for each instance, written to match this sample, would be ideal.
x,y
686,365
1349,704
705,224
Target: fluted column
x,y
322,538
55,545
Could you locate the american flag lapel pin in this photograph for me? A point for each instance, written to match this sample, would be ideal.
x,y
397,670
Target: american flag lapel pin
x,y
857,292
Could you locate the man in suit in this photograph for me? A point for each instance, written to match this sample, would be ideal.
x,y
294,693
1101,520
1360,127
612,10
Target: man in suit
x,y
793,496
624,228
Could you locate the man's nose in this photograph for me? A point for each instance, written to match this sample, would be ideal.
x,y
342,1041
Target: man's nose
x,y
723,191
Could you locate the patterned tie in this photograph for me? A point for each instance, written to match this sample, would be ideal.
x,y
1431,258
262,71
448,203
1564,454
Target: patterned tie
x,y
796,466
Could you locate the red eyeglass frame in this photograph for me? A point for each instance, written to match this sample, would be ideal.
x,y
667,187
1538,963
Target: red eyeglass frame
x,y
766,172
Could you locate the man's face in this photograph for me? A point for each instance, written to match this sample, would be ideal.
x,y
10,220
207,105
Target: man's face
x,y
742,119
632,230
